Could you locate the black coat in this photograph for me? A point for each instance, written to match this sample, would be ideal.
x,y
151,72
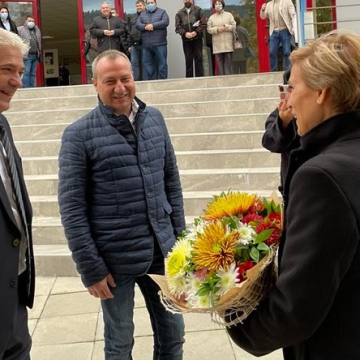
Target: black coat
x,y
279,140
119,41
184,22
9,255
313,311
134,33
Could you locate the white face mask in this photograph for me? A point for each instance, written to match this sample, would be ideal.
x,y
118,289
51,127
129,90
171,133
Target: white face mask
x,y
218,8
30,24
4,16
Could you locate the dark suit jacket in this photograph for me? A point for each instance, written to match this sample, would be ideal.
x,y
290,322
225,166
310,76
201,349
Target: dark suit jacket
x,y
9,256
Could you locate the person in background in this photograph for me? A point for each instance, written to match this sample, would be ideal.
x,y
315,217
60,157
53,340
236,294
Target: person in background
x,y
17,271
6,23
221,26
280,14
312,311
281,132
136,42
110,31
153,23
64,76
121,206
114,12
31,35
240,56
190,23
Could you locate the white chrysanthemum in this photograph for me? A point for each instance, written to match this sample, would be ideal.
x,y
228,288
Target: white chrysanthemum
x,y
177,285
247,234
195,230
206,301
178,258
194,283
228,279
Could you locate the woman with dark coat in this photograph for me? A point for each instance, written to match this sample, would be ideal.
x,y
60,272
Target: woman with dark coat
x,y
313,310
6,22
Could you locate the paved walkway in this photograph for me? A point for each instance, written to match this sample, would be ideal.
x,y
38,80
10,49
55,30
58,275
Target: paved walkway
x,y
66,324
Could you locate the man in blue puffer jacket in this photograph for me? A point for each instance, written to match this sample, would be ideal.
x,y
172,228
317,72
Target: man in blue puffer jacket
x,y
153,23
121,206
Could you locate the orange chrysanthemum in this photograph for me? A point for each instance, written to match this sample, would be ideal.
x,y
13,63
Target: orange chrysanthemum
x,y
215,248
230,205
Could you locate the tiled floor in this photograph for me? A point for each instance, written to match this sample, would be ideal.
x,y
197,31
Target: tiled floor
x,y
66,324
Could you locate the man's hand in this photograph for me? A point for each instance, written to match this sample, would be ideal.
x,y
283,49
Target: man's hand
x,y
109,32
263,6
190,35
101,289
285,113
149,27
221,28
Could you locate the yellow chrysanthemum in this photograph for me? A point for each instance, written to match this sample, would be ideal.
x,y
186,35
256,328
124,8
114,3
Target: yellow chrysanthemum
x,y
215,248
229,205
178,258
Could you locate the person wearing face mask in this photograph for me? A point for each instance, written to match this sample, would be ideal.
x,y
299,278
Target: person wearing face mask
x,y
31,35
153,25
189,23
221,26
6,23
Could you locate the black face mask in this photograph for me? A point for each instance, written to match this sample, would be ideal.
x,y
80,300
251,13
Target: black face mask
x,y
188,4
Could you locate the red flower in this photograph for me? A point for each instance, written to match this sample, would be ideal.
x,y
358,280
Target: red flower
x,y
251,218
243,267
275,218
274,237
256,208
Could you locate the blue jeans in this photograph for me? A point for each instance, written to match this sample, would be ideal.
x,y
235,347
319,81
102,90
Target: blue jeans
x,y
118,313
277,37
30,63
136,62
155,62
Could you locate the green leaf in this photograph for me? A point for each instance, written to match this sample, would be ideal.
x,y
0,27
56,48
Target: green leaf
x,y
264,235
262,247
204,289
254,254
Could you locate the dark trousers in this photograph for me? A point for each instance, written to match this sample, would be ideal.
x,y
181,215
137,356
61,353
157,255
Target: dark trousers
x,y
239,67
19,344
225,63
193,55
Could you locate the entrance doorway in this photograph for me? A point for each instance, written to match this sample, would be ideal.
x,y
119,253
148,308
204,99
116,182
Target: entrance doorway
x,y
60,35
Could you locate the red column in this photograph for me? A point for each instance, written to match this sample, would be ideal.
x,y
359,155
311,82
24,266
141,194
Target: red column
x,y
263,35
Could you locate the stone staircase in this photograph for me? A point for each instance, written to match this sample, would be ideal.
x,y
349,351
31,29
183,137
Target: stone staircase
x,y
215,123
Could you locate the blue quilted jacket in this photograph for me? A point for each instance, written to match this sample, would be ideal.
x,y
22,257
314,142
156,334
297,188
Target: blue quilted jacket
x,y
118,191
160,20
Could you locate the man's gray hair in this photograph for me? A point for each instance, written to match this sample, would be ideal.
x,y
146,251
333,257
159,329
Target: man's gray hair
x,y
108,54
105,3
8,38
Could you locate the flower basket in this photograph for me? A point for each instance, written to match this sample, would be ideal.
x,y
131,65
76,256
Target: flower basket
x,y
225,264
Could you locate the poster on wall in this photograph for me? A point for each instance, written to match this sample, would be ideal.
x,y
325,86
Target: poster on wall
x,y
51,63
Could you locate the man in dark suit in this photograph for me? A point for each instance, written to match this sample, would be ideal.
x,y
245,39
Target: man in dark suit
x,y
16,254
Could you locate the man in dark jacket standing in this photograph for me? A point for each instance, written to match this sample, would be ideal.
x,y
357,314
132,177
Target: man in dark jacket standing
x,y
190,23
109,30
153,25
17,275
136,42
121,206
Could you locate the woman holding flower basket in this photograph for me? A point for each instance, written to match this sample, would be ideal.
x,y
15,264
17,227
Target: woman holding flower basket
x,y
313,310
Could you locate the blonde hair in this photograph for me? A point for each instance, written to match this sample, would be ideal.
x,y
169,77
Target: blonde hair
x,y
332,61
108,54
8,38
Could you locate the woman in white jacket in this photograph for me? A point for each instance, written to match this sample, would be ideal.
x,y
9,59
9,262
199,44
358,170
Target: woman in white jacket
x,y
221,26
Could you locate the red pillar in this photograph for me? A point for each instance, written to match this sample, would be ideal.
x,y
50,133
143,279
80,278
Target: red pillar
x,y
263,35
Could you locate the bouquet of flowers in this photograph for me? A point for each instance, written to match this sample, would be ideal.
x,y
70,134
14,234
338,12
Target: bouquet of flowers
x,y
226,261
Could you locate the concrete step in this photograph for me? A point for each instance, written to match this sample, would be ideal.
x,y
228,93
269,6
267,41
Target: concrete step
x,y
181,142
158,97
177,125
159,85
49,231
194,202
191,180
181,109
204,159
